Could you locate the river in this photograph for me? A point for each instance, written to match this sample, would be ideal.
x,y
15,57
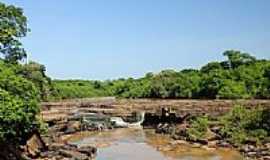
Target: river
x,y
138,144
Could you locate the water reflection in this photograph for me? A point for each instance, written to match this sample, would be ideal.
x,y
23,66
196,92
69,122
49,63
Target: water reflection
x,y
131,144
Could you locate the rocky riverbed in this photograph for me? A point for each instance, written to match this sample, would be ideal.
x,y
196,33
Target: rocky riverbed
x,y
214,140
64,129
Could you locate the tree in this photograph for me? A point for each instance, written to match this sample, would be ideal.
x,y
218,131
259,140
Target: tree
x,y
13,26
237,58
211,83
211,66
232,90
18,105
18,94
241,76
35,72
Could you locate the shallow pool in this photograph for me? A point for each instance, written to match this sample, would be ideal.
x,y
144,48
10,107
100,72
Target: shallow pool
x,y
138,144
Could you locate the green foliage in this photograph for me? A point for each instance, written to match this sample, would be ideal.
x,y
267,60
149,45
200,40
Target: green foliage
x,y
78,89
13,25
35,72
241,77
242,124
21,86
18,105
236,58
211,67
198,129
232,90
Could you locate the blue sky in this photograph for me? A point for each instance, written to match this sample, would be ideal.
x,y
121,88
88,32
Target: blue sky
x,y
108,39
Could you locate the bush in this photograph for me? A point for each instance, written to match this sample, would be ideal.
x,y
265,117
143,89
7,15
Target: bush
x,y
232,90
198,129
17,118
18,105
242,124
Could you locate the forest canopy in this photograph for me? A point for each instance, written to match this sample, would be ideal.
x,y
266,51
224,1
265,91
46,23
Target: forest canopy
x,y
241,76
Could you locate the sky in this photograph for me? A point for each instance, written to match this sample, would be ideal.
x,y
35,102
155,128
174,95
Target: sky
x,y
110,39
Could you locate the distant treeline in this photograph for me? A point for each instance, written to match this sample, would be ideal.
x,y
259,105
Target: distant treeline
x,y
240,76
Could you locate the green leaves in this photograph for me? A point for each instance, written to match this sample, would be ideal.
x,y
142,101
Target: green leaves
x,y
237,58
231,89
242,124
16,117
248,78
198,128
13,25
18,105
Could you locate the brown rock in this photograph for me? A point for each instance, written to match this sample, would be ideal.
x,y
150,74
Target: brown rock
x,y
266,158
56,146
88,150
35,145
212,144
73,154
72,127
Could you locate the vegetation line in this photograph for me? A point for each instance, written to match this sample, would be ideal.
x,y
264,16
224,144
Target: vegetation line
x,y
241,76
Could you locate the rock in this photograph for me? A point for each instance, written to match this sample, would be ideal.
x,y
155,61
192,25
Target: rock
x,y
208,148
181,142
252,154
56,146
248,148
210,135
251,141
35,145
212,144
215,129
181,130
48,154
202,141
266,158
224,144
267,145
72,127
73,154
265,153
196,145
47,140
165,148
88,150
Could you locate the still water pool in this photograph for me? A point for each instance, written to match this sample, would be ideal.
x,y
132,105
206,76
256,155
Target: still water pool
x,y
137,144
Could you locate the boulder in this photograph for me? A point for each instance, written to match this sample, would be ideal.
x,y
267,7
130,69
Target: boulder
x,y
266,158
212,144
88,150
224,144
73,154
56,146
35,145
72,127
211,136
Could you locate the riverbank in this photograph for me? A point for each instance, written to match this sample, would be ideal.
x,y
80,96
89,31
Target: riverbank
x,y
246,130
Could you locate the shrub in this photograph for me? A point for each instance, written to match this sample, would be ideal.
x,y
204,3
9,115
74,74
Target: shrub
x,y
18,105
17,118
198,129
242,124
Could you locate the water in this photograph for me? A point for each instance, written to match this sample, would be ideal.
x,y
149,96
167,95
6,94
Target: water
x,y
136,144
